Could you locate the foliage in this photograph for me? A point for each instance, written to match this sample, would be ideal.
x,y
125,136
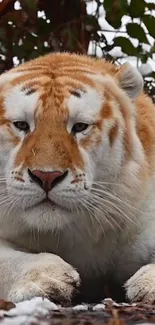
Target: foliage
x,y
42,26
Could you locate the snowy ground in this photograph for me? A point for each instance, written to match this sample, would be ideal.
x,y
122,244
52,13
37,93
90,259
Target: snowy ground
x,y
28,312
39,311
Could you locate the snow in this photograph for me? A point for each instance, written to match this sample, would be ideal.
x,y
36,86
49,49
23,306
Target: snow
x,y
26,311
99,307
81,307
19,320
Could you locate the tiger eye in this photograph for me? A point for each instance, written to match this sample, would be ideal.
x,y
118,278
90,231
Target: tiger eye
x,y
79,127
22,126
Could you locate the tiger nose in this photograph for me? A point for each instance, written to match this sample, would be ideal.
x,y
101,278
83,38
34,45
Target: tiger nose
x,y
47,180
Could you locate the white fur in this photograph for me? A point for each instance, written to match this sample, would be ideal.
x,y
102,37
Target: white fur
x,y
131,81
86,108
141,286
19,106
9,76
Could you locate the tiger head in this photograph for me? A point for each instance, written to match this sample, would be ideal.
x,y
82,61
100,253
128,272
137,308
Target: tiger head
x,y
66,126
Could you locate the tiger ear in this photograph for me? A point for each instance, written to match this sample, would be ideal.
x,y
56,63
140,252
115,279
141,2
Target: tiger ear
x,y
130,80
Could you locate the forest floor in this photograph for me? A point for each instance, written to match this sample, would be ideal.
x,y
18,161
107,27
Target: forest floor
x,y
39,311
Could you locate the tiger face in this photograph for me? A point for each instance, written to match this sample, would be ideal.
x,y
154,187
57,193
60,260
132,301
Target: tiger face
x,y
65,121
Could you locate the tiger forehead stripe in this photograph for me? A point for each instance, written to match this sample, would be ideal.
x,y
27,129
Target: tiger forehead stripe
x,y
20,102
10,76
75,93
78,92
28,91
86,105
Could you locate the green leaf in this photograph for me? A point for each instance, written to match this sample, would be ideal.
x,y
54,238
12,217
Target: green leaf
x,y
150,5
153,75
126,45
115,10
114,19
91,21
136,31
153,49
109,4
137,8
149,22
144,57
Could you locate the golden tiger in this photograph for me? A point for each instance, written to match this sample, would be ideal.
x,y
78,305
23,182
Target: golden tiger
x,y
77,158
